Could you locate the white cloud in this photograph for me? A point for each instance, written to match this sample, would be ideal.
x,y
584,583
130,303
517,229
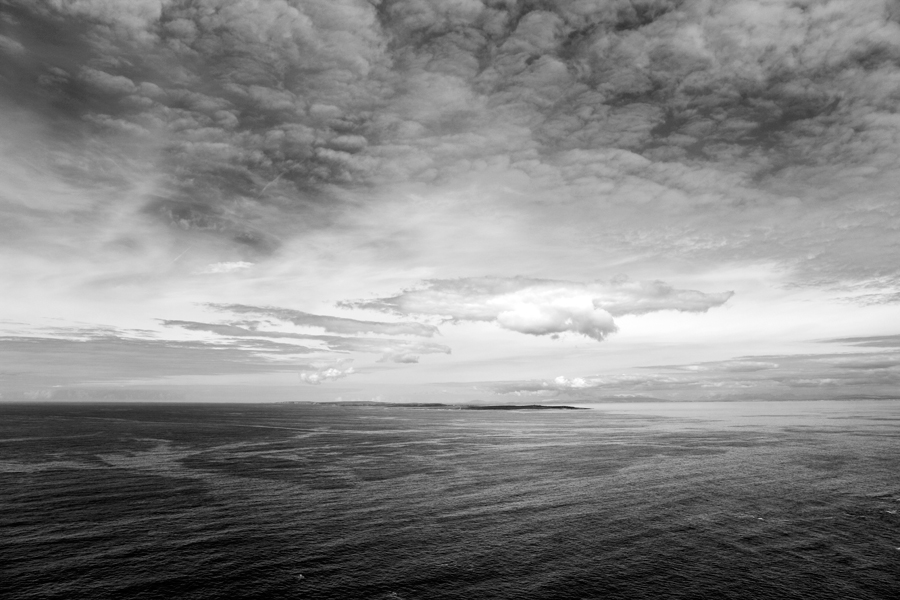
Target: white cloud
x,y
225,267
577,382
326,371
542,307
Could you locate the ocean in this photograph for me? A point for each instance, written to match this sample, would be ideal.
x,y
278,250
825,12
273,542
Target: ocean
x,y
689,500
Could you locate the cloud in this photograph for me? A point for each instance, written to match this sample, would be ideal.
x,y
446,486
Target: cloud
x,y
747,366
400,357
52,360
875,341
774,378
733,366
576,383
154,149
326,371
10,46
391,350
600,386
66,355
875,299
225,267
680,129
867,363
225,329
539,306
330,324
137,14
214,90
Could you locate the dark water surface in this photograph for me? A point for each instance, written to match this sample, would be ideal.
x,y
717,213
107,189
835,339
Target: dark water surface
x,y
751,500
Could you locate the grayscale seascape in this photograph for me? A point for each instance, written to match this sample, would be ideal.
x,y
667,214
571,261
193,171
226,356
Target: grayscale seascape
x,y
449,299
706,500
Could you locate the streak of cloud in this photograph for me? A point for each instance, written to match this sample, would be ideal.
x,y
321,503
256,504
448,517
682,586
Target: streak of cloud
x,y
779,377
391,350
330,324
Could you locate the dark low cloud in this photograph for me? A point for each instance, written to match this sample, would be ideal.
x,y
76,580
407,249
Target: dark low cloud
x,y
251,110
541,306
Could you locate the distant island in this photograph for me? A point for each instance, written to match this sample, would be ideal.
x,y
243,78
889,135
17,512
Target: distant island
x,y
439,405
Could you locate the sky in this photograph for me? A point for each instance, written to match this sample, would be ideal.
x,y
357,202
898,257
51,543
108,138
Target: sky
x,y
440,200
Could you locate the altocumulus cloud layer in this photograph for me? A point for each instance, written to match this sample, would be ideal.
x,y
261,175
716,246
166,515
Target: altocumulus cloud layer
x,y
262,116
494,161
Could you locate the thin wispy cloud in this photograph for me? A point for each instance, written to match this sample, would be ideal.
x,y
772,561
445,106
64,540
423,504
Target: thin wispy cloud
x,y
394,350
328,323
875,341
777,377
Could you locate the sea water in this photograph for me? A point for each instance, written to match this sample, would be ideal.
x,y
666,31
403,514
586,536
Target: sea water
x,y
688,500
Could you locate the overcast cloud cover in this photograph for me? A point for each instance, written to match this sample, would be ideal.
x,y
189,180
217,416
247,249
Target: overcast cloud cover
x,y
423,191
